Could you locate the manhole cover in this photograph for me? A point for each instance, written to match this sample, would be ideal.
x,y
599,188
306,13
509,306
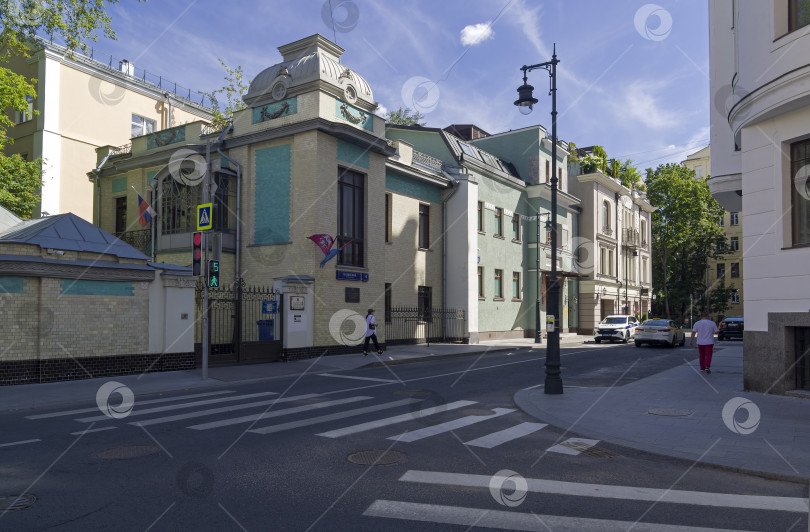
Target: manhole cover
x,y
126,453
413,393
16,502
476,412
375,458
670,412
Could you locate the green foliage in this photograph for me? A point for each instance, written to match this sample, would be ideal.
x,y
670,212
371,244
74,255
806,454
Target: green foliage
x,y
685,235
20,181
403,117
591,163
72,21
572,152
231,92
599,151
626,173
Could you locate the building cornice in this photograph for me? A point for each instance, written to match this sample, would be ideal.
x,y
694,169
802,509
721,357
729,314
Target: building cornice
x,y
98,271
419,175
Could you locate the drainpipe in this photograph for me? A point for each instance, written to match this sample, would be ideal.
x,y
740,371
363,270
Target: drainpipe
x,y
97,172
169,101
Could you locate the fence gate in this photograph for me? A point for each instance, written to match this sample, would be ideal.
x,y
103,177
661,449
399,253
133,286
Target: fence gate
x,y
417,325
238,329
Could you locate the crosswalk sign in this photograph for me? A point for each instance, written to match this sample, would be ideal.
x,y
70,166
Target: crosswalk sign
x,y
204,218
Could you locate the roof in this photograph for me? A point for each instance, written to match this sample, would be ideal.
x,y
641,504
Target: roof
x,y
68,232
8,219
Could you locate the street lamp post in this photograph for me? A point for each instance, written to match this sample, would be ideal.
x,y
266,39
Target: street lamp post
x,y
525,103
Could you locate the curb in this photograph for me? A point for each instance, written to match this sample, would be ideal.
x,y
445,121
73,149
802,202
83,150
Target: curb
x,y
438,357
627,445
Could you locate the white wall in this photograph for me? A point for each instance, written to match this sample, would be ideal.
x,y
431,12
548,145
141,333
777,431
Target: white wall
x,y
462,253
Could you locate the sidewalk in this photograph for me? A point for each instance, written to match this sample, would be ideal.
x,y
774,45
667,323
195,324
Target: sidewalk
x,y
687,414
56,393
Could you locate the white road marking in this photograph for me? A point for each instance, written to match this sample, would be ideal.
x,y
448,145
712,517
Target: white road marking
x,y
244,419
330,417
502,436
147,402
572,446
441,428
535,386
354,377
80,432
608,491
411,416
19,442
505,520
183,405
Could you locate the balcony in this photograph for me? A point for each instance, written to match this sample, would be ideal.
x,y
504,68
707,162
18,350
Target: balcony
x,y
607,231
425,160
630,238
140,240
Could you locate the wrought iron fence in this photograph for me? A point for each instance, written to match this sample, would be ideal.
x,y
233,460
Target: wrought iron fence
x,y
140,240
413,325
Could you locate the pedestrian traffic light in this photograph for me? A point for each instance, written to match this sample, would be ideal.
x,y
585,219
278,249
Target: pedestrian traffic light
x,y
196,255
213,274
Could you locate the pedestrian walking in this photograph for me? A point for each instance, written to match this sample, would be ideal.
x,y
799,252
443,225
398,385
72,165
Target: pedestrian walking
x,y
371,332
705,330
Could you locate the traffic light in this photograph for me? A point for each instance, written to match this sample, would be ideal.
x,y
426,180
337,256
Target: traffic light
x,y
213,274
196,255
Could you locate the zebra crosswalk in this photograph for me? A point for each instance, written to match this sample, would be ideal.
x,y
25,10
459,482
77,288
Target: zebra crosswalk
x,y
267,412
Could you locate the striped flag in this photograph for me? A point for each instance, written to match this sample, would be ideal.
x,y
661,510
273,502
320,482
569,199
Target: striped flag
x,y
145,212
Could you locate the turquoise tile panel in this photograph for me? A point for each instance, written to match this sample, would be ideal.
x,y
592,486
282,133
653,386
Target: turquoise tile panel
x,y
119,185
10,284
166,137
274,110
409,187
272,197
352,153
353,115
80,287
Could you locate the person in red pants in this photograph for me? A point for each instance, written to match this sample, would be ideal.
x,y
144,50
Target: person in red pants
x,y
705,329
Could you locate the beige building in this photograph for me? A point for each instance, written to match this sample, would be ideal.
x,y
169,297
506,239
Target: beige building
x,y
729,268
82,104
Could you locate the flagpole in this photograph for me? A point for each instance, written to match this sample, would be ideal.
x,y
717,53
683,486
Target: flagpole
x,y
151,221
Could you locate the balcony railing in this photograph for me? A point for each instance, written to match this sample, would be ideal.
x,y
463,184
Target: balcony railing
x,y
126,149
630,237
423,159
140,240
607,231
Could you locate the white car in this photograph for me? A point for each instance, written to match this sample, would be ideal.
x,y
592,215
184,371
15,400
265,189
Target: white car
x,y
659,331
615,327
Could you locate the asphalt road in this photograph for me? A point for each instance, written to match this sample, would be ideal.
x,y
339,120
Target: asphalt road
x,y
275,456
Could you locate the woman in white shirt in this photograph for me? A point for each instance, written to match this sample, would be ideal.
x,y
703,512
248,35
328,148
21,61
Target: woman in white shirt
x,y
371,332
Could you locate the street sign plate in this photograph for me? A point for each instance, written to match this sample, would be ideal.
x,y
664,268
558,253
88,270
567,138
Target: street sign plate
x,y
204,216
269,307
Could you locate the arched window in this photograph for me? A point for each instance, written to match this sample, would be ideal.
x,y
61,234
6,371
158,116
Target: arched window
x,y
606,217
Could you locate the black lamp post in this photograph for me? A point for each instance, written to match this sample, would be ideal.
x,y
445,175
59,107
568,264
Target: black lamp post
x,y
626,259
525,103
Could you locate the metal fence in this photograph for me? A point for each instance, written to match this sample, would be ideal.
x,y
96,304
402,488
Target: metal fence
x,y
238,330
140,240
415,325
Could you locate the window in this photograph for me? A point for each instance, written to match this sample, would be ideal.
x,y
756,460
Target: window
x,y
721,220
721,270
735,296
481,216
644,270
735,218
141,126
387,302
469,150
606,217
735,269
559,175
480,281
388,217
515,285
698,172
120,214
177,207
644,233
734,243
798,14
498,222
498,284
516,227
800,190
603,263
425,301
424,226
350,218
27,114
548,171
610,262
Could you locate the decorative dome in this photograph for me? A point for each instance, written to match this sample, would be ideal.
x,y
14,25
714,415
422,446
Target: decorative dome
x,y
313,59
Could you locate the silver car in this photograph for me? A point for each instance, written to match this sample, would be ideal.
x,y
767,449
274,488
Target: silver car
x,y
660,331
619,327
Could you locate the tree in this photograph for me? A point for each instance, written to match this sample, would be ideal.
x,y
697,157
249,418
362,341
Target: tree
x,y
626,173
403,117
599,151
72,21
232,91
685,235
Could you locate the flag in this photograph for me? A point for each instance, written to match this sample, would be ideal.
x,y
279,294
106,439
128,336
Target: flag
x,y
145,212
325,242
333,252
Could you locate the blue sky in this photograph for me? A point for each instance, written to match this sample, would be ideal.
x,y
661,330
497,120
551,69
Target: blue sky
x,y
633,75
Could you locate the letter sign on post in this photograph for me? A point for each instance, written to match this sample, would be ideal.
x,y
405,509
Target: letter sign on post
x,y
196,255
213,274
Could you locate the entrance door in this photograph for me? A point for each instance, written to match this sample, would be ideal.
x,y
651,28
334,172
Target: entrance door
x,y
802,346
607,308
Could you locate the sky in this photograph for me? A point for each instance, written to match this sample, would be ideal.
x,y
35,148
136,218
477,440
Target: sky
x,y
632,77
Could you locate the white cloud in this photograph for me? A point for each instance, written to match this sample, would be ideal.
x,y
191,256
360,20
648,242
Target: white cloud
x,y
639,103
381,110
476,34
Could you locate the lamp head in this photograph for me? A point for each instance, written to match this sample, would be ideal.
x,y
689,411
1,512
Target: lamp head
x,y
526,100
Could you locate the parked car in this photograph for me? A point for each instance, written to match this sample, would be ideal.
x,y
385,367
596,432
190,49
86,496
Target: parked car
x,y
615,327
659,331
731,328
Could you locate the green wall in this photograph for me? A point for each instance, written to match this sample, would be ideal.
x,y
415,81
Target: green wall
x,y
272,196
